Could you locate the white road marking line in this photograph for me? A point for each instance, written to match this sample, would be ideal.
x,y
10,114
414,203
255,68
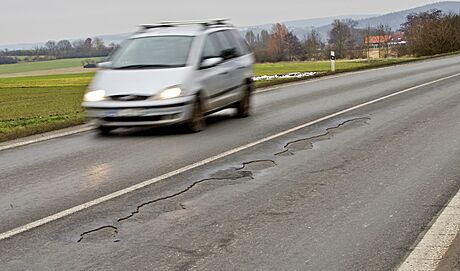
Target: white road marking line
x,y
44,137
429,252
138,186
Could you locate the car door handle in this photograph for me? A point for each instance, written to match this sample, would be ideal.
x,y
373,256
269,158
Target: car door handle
x,y
223,73
242,67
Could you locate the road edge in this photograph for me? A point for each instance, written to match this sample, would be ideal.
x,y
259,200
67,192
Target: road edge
x,y
45,136
433,248
451,259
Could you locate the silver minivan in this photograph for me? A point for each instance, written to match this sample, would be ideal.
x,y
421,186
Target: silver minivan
x,y
173,73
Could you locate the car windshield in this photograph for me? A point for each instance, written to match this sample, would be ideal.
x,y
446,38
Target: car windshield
x,y
153,52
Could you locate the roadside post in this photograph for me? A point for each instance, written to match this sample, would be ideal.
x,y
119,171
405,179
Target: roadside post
x,y
332,61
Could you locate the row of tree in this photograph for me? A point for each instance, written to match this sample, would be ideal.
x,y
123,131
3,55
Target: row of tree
x,y
432,33
60,49
8,60
280,44
427,33
79,48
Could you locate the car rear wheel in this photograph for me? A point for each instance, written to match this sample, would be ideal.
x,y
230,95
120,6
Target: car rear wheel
x,y
197,121
244,105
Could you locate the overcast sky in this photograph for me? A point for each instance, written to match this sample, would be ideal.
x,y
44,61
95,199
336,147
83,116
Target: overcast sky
x,y
40,20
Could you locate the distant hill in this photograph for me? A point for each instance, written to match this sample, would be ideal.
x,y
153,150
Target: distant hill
x,y
302,27
395,19
310,23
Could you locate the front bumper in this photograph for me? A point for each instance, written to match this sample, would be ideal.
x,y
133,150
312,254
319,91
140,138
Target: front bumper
x,y
140,113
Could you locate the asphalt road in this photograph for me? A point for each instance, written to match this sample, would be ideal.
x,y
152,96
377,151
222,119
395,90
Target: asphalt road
x,y
353,192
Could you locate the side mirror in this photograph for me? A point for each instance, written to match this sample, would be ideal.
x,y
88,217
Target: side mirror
x,y
104,65
228,53
211,62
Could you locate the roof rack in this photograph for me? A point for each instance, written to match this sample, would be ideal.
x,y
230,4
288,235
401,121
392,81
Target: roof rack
x,y
204,23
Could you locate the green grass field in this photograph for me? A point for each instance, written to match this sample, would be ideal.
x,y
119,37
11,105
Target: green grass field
x,y
321,66
34,104
44,65
44,81
27,111
30,105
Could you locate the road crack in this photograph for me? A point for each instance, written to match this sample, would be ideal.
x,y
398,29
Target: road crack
x,y
231,174
302,144
104,232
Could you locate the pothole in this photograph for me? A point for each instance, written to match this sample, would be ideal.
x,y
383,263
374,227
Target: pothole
x,y
109,232
304,144
259,165
101,234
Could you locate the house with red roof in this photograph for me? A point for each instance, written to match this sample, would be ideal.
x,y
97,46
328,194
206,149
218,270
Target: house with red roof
x,y
392,40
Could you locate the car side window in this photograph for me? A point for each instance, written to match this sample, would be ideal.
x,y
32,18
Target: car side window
x,y
223,40
234,42
243,45
212,47
229,41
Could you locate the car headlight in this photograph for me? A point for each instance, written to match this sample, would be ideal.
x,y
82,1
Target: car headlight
x,y
170,93
94,96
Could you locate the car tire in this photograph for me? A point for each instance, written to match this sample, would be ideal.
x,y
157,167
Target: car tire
x,y
243,107
105,130
197,121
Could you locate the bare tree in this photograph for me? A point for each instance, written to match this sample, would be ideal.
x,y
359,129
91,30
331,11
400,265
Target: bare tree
x,y
384,38
386,44
432,32
367,37
293,47
341,37
277,42
251,38
264,37
312,45
88,44
98,44
78,44
64,45
51,46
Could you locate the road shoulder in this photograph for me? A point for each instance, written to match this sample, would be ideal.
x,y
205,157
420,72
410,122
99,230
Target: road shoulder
x,y
45,136
439,248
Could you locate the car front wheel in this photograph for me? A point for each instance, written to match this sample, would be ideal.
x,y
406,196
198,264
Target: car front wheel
x,y
244,105
196,123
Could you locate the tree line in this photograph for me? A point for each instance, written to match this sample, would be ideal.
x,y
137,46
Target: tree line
x,y
280,44
432,32
426,33
59,50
